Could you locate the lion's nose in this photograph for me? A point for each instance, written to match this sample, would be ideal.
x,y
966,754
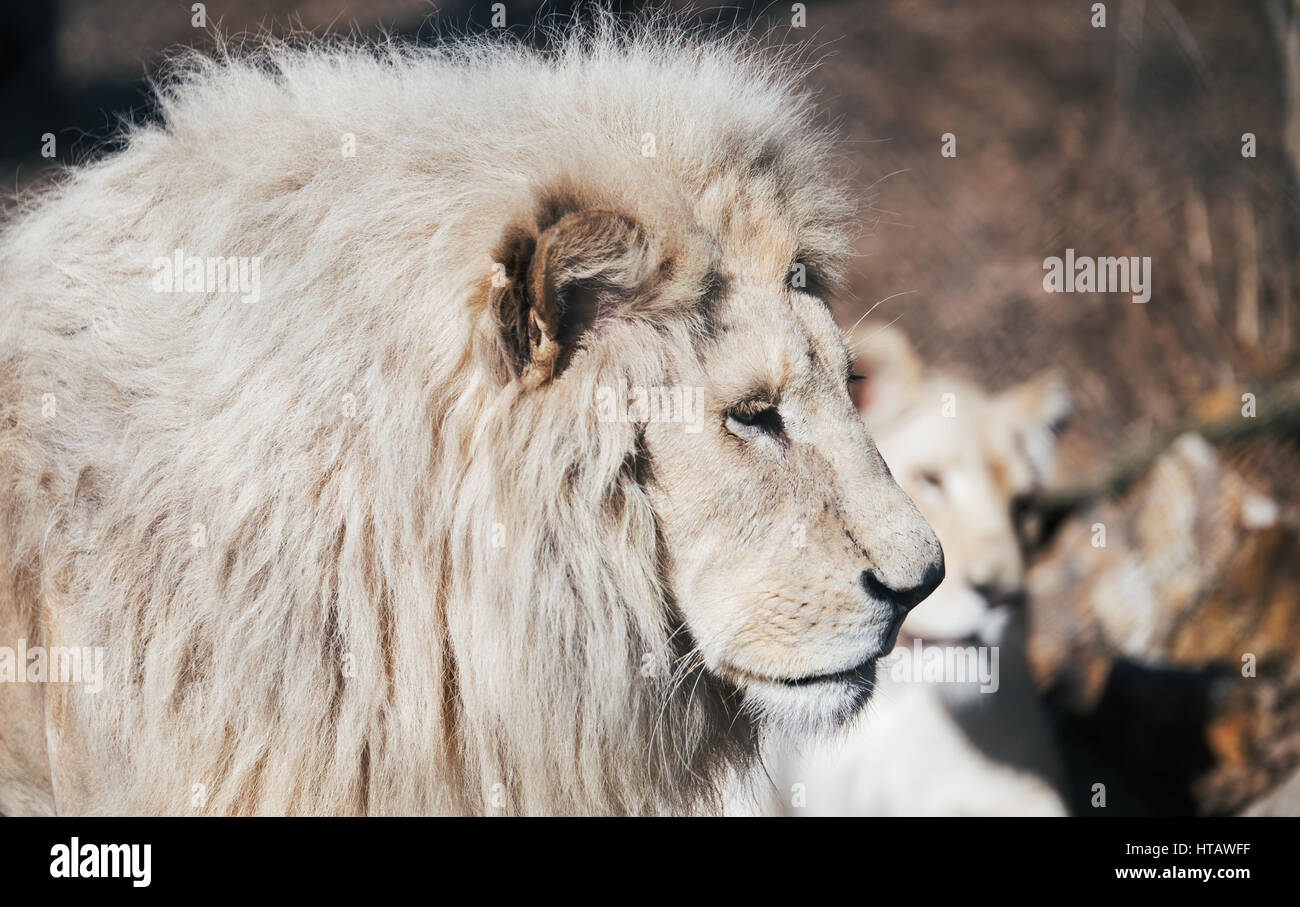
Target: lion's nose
x,y
904,599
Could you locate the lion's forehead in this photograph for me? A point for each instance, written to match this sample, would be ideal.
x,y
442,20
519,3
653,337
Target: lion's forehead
x,y
975,439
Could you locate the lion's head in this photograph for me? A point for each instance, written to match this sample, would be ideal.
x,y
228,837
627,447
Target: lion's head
x,y
785,555
975,462
792,554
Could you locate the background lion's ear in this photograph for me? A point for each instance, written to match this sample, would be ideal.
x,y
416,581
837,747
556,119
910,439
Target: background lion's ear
x,y
558,284
890,369
1039,408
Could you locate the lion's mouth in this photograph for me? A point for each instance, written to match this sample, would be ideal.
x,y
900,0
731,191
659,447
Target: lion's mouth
x,y
862,673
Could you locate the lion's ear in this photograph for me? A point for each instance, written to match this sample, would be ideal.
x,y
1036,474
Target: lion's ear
x,y
1039,409
558,283
890,370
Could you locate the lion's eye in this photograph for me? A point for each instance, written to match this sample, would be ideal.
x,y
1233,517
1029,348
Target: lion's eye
x,y
755,421
933,479
1021,505
1029,521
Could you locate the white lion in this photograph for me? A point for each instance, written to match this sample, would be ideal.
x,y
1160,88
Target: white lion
x,y
369,544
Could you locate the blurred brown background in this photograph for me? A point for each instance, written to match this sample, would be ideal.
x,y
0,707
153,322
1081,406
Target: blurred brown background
x,y
1123,140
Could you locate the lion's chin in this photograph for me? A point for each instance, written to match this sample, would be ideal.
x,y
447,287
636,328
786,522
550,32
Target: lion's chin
x,y
809,706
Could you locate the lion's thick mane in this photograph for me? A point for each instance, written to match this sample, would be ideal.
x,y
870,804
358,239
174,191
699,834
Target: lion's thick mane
x,y
338,563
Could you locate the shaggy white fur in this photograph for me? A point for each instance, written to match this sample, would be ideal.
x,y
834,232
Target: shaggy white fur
x,y
348,548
